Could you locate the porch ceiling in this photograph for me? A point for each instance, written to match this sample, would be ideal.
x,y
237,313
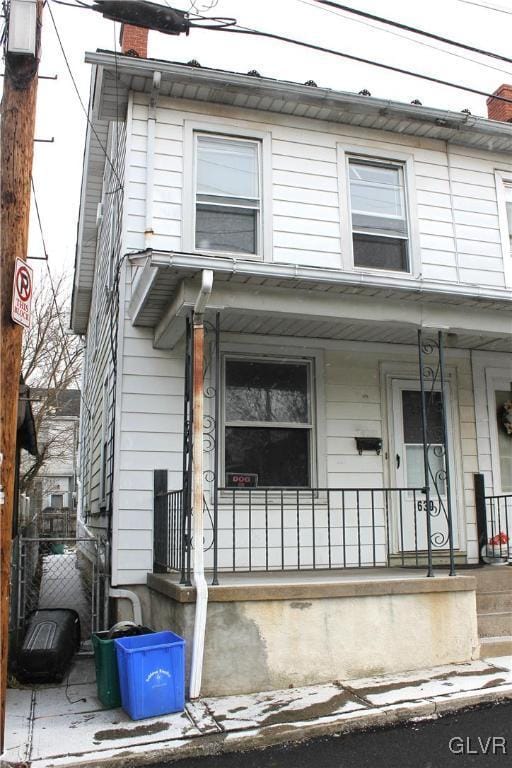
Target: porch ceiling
x,y
296,305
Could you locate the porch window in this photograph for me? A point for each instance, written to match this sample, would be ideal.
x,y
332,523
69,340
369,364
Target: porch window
x,y
268,423
228,196
379,219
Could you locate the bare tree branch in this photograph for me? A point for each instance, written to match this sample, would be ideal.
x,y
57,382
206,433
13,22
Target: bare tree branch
x,y
51,364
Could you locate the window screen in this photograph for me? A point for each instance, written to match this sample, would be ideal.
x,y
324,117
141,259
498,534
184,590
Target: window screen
x,y
379,219
227,195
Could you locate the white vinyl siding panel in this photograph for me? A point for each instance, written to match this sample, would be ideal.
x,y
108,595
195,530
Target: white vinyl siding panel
x,y
98,370
456,211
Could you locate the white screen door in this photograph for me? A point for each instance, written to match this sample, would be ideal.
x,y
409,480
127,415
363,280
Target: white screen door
x,y
410,517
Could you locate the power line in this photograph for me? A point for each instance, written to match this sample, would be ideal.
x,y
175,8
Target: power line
x,y
416,30
85,111
487,7
341,15
229,26
351,57
53,291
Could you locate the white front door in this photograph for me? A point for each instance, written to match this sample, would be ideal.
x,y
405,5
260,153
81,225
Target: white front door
x,y
410,516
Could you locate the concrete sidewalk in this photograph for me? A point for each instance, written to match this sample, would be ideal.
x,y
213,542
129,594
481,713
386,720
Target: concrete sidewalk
x,y
66,725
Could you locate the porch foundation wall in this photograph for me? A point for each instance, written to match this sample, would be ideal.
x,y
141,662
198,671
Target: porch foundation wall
x,y
259,645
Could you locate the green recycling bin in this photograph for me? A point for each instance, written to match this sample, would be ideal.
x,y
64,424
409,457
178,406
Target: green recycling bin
x,y
105,660
107,677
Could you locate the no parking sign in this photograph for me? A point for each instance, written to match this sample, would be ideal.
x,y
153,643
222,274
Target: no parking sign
x,y
22,294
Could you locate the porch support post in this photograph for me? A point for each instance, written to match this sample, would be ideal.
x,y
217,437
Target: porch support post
x,y
186,532
215,579
481,514
444,401
426,490
198,578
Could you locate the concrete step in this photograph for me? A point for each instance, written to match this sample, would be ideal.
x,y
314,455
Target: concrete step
x,y
491,578
495,624
489,602
495,646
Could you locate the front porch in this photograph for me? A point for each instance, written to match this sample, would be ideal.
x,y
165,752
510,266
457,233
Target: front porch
x,y
271,630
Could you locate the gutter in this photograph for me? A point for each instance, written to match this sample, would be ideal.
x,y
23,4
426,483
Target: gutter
x,y
150,159
453,123
327,275
198,577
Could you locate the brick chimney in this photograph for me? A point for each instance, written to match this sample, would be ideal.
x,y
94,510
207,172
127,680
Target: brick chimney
x,y
134,41
500,110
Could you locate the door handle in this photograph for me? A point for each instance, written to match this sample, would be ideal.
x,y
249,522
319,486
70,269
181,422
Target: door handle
x,y
397,461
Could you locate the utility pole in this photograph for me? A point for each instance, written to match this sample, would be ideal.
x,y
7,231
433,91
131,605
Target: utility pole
x,y
18,111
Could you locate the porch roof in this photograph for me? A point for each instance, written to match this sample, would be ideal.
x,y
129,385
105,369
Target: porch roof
x,y
302,301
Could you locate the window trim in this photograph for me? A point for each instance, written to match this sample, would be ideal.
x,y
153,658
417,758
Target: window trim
x,y
345,153
258,208
311,364
503,179
495,379
222,129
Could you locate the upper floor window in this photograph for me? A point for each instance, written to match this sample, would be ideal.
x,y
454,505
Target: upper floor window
x,y
508,208
379,214
228,195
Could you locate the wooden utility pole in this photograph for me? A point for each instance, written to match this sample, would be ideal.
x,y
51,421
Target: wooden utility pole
x,y
18,112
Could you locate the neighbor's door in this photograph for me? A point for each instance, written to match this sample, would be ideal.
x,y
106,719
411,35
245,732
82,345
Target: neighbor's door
x,y
410,518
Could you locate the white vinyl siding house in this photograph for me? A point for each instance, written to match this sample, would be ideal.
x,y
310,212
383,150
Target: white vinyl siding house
x,y
331,243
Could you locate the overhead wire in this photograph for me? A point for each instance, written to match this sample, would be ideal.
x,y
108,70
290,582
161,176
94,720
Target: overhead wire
x,y
52,287
416,30
496,8
362,60
73,80
227,25
342,15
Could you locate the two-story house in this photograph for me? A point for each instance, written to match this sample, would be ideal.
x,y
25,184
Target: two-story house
x,y
297,304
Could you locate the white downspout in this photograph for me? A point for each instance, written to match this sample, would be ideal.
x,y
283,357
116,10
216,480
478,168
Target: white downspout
x,y
198,578
150,160
133,598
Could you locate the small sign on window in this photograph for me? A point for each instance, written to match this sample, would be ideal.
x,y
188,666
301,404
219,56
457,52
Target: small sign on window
x,y
241,479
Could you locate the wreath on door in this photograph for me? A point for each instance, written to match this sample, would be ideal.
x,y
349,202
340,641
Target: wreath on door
x,y
506,417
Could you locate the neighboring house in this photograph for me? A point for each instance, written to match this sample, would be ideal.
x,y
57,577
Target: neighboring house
x,y
347,263
51,477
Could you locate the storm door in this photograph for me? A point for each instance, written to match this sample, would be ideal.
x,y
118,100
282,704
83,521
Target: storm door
x,y
410,523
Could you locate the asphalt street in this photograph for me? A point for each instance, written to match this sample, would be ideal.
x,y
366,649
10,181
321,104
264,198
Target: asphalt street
x,y
478,737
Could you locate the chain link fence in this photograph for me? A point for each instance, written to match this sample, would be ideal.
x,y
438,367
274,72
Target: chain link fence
x,y
61,572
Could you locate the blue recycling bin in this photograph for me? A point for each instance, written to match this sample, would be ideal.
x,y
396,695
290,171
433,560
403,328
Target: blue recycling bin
x,y
151,674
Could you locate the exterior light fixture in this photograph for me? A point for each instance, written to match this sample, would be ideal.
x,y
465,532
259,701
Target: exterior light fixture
x,y
22,27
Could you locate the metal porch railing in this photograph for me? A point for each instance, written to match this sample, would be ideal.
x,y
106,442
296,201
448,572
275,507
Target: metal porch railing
x,y
290,529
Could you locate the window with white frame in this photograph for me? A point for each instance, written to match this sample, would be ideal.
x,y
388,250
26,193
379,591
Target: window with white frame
x,y
268,422
228,194
378,206
507,185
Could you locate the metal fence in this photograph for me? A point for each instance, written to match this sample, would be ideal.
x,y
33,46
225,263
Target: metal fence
x,y
61,573
293,529
499,526
169,533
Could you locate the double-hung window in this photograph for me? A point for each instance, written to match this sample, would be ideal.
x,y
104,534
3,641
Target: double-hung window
x,y
228,195
379,214
268,422
507,186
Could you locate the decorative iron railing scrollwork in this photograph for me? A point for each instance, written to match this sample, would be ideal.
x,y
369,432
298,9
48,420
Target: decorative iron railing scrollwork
x,y
436,443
